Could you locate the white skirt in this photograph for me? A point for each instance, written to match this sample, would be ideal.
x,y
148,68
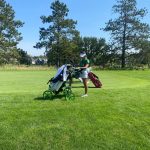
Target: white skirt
x,y
84,73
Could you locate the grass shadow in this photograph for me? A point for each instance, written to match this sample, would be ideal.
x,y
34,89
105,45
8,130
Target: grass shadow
x,y
77,87
76,82
93,87
83,87
54,98
39,98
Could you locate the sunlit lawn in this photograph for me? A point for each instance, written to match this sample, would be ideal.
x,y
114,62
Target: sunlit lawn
x,y
116,117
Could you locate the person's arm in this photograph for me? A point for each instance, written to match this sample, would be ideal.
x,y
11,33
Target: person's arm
x,y
86,66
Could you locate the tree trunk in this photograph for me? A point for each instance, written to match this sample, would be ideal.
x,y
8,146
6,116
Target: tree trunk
x,y
123,63
58,54
58,47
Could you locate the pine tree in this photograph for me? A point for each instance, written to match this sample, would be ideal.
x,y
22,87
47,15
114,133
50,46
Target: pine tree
x,y
9,35
127,30
58,37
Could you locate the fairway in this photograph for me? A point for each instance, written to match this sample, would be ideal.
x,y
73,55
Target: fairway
x,y
115,117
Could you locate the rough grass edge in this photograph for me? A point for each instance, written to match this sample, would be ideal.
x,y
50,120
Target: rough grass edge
x,y
24,67
10,67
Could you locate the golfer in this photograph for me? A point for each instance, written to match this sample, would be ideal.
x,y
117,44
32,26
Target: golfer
x,y
84,66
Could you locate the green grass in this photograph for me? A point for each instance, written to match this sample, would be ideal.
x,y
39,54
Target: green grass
x,y
116,117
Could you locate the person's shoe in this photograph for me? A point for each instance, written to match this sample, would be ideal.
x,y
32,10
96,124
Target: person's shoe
x,y
85,95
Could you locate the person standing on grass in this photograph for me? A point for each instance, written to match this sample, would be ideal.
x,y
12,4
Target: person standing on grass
x,y
84,66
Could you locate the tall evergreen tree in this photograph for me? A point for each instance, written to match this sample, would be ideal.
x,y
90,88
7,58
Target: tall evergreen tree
x,y
58,37
9,34
127,30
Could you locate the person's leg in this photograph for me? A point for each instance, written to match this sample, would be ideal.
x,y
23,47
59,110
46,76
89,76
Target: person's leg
x,y
85,80
80,79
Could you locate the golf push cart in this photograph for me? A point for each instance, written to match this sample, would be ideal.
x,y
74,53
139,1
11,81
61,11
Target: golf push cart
x,y
61,82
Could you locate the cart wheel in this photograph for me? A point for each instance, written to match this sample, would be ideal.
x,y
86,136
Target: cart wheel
x,y
70,96
67,91
48,94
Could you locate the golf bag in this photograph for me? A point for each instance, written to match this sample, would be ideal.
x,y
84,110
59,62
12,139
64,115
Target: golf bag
x,y
95,80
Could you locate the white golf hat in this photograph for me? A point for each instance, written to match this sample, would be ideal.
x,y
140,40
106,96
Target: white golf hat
x,y
83,54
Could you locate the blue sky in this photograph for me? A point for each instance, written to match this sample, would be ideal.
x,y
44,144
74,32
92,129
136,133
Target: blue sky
x,y
91,15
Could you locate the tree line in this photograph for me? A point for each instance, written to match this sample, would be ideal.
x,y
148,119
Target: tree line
x,y
129,44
